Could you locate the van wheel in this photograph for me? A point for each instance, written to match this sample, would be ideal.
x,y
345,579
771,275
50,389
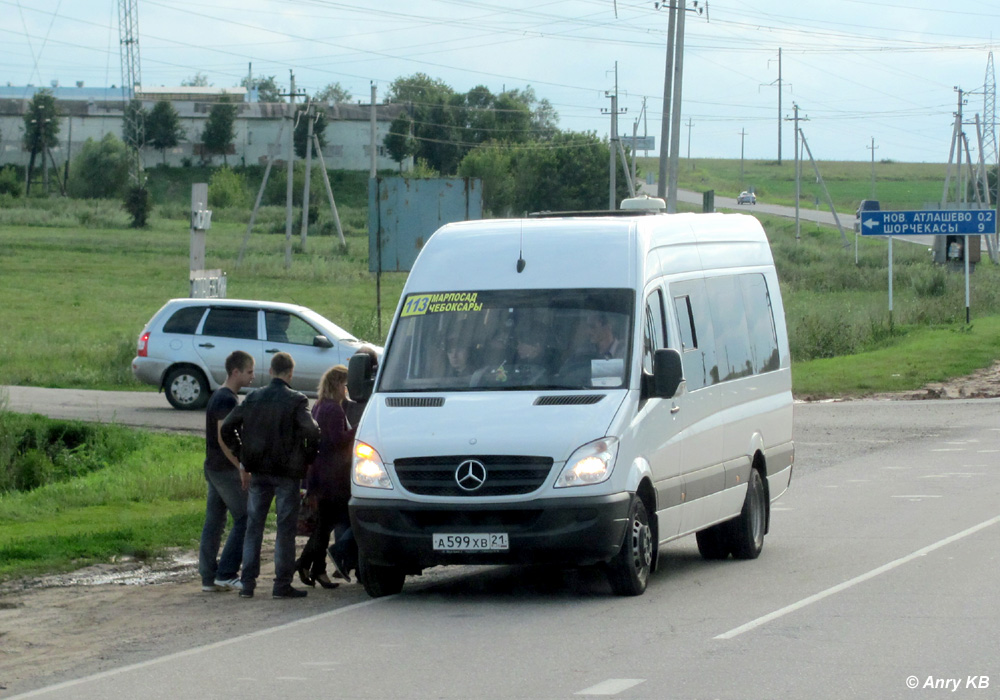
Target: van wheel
x,y
380,580
629,570
713,542
747,529
187,388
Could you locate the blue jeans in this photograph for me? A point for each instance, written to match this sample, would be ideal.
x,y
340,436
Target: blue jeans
x,y
265,488
225,494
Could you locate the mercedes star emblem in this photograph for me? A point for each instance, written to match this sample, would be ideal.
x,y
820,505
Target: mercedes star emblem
x,y
470,475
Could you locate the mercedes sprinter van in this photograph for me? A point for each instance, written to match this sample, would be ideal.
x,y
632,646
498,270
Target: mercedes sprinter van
x,y
575,390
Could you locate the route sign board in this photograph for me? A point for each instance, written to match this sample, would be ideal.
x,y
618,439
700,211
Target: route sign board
x,y
950,222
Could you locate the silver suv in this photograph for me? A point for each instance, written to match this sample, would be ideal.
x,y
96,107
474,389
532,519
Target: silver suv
x,y
183,349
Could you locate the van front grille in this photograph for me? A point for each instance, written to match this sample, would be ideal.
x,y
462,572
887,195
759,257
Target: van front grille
x,y
491,475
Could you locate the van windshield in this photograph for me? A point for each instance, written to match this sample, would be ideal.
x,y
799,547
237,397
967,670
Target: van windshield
x,y
504,340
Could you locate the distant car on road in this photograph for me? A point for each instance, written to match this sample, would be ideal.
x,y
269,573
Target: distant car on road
x,y
866,205
746,198
183,349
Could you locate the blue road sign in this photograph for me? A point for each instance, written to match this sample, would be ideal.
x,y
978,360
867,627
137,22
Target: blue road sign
x,y
952,222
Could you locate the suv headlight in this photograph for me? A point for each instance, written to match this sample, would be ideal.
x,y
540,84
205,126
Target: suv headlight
x,y
368,468
589,464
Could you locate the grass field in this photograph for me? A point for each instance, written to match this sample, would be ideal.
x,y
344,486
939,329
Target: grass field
x,y
75,299
78,285
897,185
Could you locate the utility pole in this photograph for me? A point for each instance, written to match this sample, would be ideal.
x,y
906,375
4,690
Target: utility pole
x,y
305,190
374,144
668,76
675,113
798,169
689,125
873,148
613,169
743,135
781,86
128,31
291,171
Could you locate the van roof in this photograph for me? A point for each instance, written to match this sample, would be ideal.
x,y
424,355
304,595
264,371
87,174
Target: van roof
x,y
584,251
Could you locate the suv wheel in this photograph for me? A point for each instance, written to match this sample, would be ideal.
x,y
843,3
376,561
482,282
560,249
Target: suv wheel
x,y
187,388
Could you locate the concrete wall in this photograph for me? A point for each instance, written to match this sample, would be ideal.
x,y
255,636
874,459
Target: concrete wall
x,y
348,132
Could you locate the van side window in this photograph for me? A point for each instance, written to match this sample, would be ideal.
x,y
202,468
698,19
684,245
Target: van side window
x,y
760,323
654,334
231,323
732,341
695,322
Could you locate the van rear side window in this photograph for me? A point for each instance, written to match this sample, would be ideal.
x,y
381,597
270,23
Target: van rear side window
x,y
732,316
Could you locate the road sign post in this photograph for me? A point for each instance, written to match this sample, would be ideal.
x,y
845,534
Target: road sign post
x,y
932,222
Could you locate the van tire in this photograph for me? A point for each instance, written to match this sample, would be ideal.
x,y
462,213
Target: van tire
x,y
714,542
380,581
186,388
747,530
628,572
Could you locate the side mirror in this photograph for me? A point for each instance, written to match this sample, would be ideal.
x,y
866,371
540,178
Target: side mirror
x,y
668,373
321,341
359,377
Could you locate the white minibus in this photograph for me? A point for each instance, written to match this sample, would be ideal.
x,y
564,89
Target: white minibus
x,y
575,390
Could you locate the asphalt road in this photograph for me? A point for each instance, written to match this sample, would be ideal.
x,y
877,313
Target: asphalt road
x,y
139,409
879,573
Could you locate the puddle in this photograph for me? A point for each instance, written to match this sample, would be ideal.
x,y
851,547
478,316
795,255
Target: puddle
x,y
124,571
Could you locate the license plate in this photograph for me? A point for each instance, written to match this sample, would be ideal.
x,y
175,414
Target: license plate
x,y
470,542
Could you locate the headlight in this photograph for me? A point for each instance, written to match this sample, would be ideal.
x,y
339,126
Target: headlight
x,y
590,464
368,468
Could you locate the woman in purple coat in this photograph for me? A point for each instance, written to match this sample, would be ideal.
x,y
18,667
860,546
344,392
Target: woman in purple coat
x,y
328,483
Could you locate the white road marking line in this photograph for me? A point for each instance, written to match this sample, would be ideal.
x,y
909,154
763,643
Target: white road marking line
x,y
612,686
950,449
753,624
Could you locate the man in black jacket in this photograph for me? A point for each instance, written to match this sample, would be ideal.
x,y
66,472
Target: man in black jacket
x,y
275,438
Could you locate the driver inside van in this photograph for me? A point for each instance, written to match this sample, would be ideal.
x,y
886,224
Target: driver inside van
x,y
601,331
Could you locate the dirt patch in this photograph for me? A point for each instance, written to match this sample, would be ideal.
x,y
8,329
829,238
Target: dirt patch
x,y
53,628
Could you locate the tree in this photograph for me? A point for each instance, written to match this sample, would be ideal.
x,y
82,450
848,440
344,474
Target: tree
x,y
268,89
100,170
569,173
333,93
398,142
219,129
163,127
134,121
41,127
199,79
302,130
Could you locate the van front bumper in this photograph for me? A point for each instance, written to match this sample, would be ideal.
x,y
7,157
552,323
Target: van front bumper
x,y
561,531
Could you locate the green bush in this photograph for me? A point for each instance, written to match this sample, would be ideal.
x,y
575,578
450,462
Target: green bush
x,y
226,189
10,183
100,170
138,205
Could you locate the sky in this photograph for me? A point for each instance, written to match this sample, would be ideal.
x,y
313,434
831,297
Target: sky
x,y
864,73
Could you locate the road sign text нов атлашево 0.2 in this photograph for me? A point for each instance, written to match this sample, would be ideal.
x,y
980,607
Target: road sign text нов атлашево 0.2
x,y
955,222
